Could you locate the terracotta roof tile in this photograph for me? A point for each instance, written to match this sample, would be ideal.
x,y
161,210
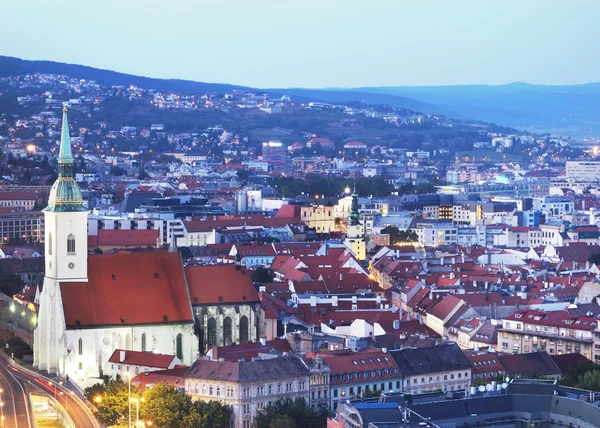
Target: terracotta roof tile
x,y
146,359
220,284
128,289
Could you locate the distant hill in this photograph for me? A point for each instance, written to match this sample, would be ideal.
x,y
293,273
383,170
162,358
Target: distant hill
x,y
10,66
369,97
568,109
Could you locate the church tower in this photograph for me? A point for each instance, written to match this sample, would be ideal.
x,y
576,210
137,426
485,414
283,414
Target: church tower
x,y
355,239
65,243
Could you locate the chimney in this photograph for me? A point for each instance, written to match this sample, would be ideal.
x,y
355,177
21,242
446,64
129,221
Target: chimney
x,y
334,301
263,341
384,350
262,289
396,324
121,356
442,261
313,301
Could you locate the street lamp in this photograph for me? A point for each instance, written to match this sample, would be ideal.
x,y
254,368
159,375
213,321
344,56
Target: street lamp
x,y
2,406
98,399
129,396
137,410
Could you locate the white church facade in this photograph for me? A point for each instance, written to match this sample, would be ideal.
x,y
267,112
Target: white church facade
x,y
91,305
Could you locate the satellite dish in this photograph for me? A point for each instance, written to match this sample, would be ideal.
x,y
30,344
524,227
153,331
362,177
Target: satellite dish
x,y
504,385
482,388
488,387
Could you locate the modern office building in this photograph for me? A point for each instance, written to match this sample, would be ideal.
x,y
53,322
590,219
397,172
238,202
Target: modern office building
x,y
275,154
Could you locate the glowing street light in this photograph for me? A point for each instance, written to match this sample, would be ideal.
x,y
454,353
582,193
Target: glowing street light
x,y
137,410
2,406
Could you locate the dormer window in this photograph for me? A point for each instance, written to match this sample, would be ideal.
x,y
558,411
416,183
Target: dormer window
x,y
71,244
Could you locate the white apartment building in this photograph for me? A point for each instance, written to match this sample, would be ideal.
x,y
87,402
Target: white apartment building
x,y
583,170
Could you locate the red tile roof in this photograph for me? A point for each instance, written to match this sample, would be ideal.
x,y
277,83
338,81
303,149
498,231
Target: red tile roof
x,y
555,319
126,238
128,289
174,377
251,350
220,284
345,362
444,307
146,359
17,196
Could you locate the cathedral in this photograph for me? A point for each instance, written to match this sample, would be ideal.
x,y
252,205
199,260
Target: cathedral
x,y
91,305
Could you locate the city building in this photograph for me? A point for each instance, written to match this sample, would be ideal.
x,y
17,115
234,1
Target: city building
x,y
587,171
247,387
275,154
553,332
440,367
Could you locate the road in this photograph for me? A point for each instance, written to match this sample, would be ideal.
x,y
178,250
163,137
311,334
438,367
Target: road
x,y
16,408
80,414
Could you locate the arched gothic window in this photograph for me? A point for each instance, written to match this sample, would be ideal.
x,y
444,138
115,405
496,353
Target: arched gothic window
x,y
71,244
244,329
50,243
227,333
212,332
143,342
180,346
80,346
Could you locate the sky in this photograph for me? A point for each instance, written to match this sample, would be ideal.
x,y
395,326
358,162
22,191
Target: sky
x,y
308,43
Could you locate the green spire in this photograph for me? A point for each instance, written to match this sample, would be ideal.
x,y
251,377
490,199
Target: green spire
x,y
65,195
65,155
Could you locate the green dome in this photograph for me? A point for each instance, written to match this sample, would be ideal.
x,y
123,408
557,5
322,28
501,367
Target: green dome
x,y
65,196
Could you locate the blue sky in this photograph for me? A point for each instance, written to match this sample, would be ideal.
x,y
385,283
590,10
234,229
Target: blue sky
x,y
307,43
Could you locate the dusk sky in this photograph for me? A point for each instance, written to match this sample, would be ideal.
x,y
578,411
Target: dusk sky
x,y
315,43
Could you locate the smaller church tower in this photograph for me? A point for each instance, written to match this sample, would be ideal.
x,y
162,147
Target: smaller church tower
x,y
355,237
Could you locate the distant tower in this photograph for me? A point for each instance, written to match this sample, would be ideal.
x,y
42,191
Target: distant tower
x,y
65,244
355,239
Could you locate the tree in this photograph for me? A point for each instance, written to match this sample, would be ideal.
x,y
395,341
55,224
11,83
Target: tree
x,y
207,415
10,283
399,236
594,258
114,407
372,393
165,406
288,413
243,174
96,390
143,175
117,171
584,376
263,275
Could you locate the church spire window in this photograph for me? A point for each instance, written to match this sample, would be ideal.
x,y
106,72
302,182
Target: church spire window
x,y
71,244
50,243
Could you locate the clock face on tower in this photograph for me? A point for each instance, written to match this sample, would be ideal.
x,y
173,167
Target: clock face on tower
x,y
71,265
